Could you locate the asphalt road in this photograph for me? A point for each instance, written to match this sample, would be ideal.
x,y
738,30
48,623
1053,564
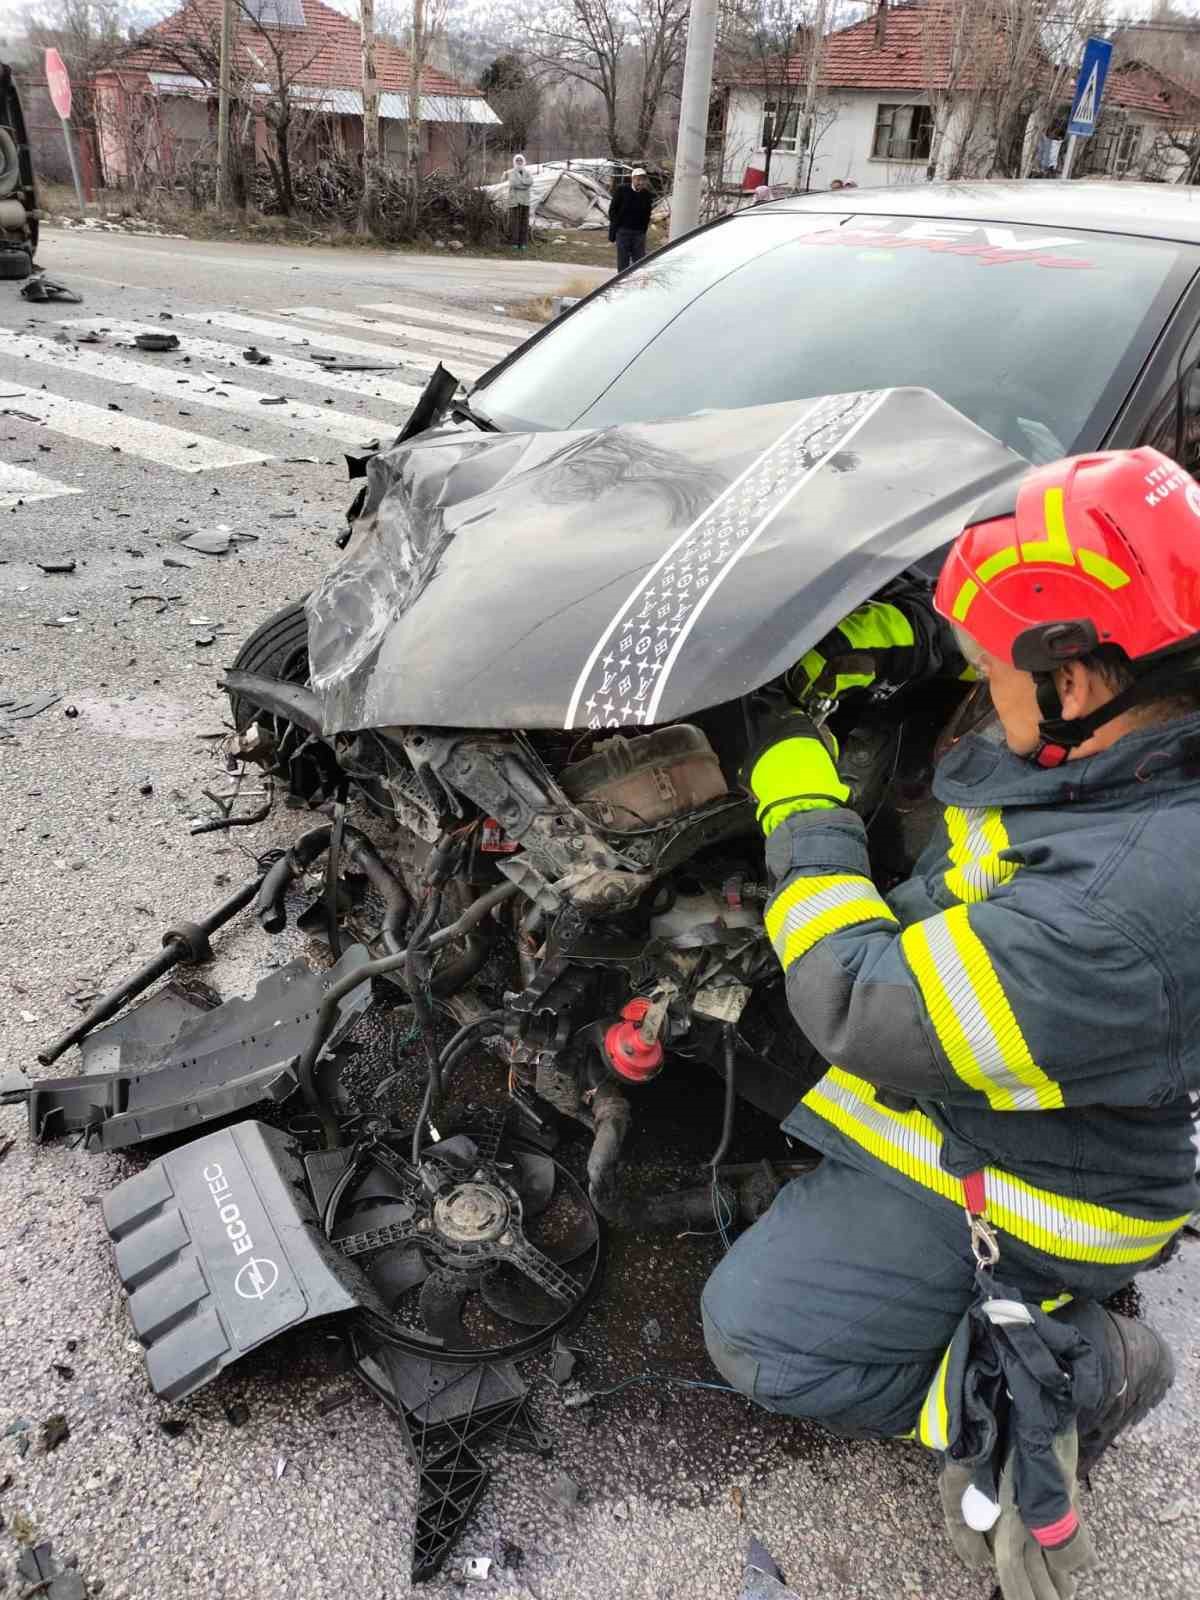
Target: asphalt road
x,y
98,859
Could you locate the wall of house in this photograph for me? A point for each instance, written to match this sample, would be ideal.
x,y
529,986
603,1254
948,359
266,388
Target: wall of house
x,y
844,138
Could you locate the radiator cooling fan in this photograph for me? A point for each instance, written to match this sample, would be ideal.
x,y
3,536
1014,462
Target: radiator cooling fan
x,y
481,1251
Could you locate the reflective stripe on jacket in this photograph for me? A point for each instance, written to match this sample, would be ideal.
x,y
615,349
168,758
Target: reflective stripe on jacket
x,y
1030,993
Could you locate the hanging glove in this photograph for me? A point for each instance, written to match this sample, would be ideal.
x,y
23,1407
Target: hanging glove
x,y
791,768
1027,1569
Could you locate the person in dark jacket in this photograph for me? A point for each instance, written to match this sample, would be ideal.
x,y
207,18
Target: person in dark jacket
x,y
1008,1041
629,218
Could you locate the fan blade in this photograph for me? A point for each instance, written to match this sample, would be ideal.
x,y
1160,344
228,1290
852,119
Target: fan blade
x,y
441,1306
565,1232
395,1272
510,1294
533,1178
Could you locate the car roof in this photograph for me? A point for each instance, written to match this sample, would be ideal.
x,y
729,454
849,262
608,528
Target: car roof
x,y
1150,210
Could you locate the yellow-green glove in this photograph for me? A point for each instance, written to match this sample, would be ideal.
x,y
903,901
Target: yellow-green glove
x,y
874,642
792,769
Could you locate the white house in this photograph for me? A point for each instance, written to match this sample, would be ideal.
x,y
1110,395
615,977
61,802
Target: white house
x,y
874,122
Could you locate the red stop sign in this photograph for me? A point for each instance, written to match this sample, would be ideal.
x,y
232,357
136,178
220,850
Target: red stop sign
x,y
58,81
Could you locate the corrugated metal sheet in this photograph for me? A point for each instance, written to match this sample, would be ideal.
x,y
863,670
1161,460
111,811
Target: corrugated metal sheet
x,y
394,107
349,102
176,83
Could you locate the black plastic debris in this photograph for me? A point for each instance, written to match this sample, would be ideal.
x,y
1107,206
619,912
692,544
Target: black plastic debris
x,y
241,1054
157,342
65,1372
216,541
237,1414
333,363
274,400
144,1034
67,564
256,357
55,1431
20,710
446,1412
42,288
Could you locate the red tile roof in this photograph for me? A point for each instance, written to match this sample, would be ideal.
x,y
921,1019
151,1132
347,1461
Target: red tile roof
x,y
1139,87
917,52
326,52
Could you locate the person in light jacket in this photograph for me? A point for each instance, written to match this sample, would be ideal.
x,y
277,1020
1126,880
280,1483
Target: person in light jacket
x,y
520,197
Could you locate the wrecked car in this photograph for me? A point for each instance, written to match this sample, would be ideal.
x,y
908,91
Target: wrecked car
x,y
533,667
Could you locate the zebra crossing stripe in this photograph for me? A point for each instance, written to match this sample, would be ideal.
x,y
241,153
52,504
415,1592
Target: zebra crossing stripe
x,y
169,447
367,385
440,338
508,328
193,389
18,485
291,333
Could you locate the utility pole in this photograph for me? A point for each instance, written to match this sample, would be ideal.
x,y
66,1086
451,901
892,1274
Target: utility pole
x,y
693,116
370,94
224,195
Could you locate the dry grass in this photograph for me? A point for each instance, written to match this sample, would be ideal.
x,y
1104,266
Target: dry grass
x,y
541,307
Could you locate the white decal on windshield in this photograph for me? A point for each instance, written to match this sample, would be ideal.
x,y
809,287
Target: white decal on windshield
x,y
626,674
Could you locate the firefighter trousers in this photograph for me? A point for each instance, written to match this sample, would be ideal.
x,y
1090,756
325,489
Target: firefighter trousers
x,y
838,1304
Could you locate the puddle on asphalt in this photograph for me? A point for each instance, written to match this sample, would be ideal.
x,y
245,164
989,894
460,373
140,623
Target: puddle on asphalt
x,y
139,717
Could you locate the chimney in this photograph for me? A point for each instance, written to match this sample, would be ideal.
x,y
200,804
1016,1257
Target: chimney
x,y
881,25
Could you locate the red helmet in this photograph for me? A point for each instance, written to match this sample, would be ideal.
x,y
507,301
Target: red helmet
x,y
1099,549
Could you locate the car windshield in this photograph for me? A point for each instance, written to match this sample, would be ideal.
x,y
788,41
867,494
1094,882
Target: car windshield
x,y
1035,335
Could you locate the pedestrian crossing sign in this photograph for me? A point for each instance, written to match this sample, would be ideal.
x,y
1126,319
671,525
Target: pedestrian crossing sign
x,y
1089,87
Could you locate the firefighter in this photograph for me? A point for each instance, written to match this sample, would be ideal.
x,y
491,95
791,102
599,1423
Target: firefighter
x,y
1009,1039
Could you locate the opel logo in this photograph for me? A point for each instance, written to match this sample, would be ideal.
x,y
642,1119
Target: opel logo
x,y
257,1278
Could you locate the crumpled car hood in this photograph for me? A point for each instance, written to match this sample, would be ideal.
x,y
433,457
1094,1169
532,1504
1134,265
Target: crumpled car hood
x,y
630,575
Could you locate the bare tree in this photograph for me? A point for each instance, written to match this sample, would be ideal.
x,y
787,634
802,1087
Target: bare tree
x,y
515,95
263,53
767,45
628,51
369,213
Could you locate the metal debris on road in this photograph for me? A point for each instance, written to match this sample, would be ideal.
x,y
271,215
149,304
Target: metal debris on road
x,y
157,342
274,400
256,357
66,565
761,1578
280,1468
40,1569
353,363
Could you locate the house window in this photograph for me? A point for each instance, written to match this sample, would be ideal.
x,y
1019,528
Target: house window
x,y
779,126
903,133
1127,147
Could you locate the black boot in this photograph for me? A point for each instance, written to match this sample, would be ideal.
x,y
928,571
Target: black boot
x,y
1140,1369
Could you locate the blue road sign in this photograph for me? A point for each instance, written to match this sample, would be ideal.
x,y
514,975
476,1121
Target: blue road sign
x,y
1089,87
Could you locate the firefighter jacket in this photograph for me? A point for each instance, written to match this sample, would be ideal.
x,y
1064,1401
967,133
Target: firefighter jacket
x,y
1026,1007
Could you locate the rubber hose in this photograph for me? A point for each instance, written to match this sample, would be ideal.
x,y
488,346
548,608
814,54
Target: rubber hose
x,y
722,1150
378,968
358,849
449,1055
